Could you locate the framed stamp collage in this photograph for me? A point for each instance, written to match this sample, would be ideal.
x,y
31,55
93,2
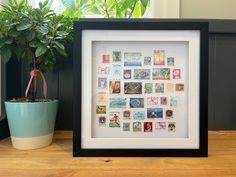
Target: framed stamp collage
x,y
141,87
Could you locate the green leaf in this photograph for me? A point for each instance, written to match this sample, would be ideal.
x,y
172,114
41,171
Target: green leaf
x,y
61,46
137,10
144,3
61,51
42,29
41,49
5,54
30,36
23,26
1,43
127,4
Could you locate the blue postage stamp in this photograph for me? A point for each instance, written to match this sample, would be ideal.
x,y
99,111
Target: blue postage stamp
x,y
136,102
132,59
139,115
117,103
154,112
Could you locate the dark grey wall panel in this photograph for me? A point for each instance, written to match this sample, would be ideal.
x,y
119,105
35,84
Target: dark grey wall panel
x,y
224,83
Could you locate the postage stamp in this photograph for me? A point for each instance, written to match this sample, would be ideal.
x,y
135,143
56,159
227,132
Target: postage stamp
x,y
142,74
102,121
161,74
117,71
102,97
152,101
147,126
127,74
171,126
126,115
160,125
139,115
105,59
176,74
179,87
137,126
154,112
114,87
114,119
170,61
126,126
148,88
163,101
136,102
118,102
133,87
132,59
116,56
101,109
173,101
102,82
147,61
104,70
169,87
169,114
159,57
159,87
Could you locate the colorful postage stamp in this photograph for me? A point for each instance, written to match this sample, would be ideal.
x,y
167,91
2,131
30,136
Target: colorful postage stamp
x,y
161,74
142,74
117,71
102,121
163,101
105,59
176,74
126,115
114,119
118,102
114,87
132,59
169,114
136,102
171,126
154,112
139,115
103,70
159,87
148,88
126,126
160,125
102,97
159,57
147,61
173,101
170,87
101,109
127,74
116,56
170,61
133,87
147,126
137,126
179,87
102,82
152,101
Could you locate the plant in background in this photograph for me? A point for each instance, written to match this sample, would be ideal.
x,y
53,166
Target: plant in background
x,y
36,35
106,8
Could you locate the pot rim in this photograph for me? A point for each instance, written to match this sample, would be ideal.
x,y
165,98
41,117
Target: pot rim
x,y
47,102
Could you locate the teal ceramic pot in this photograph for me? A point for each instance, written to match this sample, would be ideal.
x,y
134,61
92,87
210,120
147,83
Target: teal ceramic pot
x,y
31,124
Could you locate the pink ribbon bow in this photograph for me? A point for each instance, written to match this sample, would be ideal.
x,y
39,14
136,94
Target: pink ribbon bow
x,y
34,73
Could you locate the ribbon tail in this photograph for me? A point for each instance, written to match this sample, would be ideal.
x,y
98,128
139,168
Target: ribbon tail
x,y
28,86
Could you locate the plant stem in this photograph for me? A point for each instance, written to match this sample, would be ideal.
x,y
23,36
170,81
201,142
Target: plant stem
x,y
34,86
106,11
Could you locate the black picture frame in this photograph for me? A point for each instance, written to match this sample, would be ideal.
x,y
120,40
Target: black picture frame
x,y
144,24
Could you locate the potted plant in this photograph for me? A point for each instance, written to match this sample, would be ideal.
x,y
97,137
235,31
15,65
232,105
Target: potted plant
x,y
37,36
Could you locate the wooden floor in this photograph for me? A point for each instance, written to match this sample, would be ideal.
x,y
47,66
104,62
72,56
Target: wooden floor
x,y
57,161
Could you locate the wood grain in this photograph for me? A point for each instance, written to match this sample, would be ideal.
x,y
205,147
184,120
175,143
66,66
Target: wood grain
x,y
56,161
